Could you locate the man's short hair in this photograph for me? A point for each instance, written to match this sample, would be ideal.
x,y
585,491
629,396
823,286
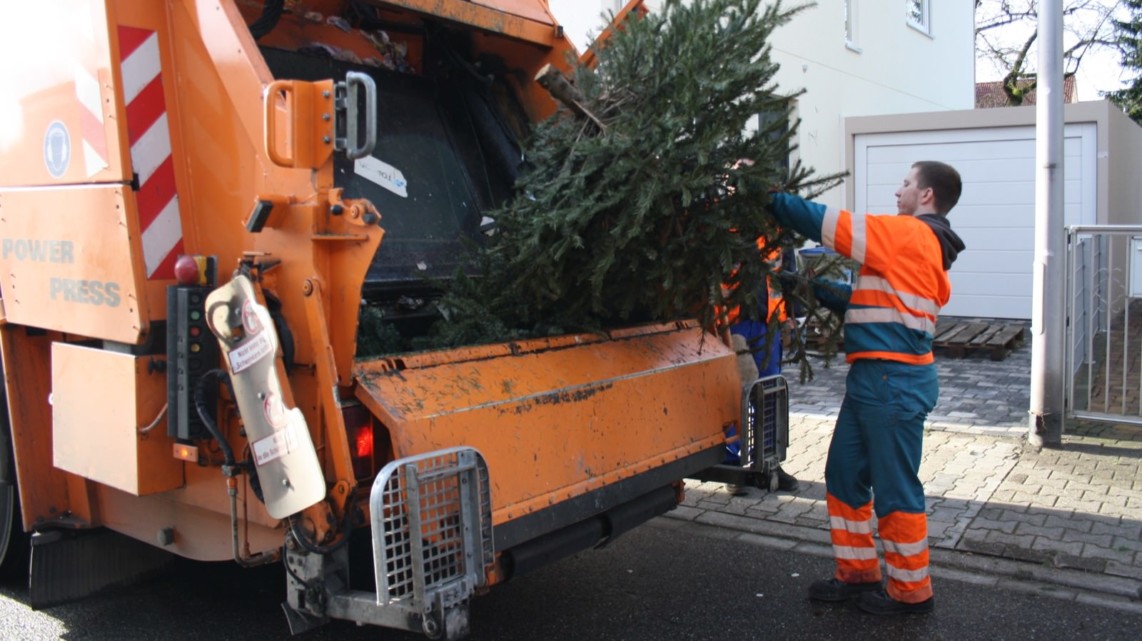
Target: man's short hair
x,y
944,181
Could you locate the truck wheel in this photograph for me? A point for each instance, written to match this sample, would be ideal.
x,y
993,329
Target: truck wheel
x,y
14,543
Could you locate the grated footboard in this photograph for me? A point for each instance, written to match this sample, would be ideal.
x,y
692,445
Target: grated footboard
x,y
432,532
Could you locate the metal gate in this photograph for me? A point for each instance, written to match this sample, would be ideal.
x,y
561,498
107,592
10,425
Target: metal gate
x,y
1103,351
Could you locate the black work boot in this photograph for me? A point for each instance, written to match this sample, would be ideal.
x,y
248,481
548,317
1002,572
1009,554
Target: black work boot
x,y
786,482
835,590
736,490
879,602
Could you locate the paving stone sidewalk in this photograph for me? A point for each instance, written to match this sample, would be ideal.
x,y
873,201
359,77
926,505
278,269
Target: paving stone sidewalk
x,y
1068,516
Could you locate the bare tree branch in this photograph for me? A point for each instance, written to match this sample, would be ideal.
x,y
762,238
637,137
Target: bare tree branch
x,y
1007,30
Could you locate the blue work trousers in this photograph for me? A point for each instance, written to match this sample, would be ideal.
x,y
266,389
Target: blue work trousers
x,y
878,439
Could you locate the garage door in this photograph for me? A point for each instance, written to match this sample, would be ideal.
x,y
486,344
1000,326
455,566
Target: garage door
x,y
995,215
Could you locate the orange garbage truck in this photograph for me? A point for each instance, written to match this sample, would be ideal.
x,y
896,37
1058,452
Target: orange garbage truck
x,y
199,202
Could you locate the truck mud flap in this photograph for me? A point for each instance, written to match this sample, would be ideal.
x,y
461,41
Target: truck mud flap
x,y
68,566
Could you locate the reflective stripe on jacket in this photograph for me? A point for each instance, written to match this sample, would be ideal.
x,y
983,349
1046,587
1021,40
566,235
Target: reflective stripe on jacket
x,y
897,296
775,308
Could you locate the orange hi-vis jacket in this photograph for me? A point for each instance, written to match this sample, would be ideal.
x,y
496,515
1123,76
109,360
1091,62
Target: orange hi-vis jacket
x,y
774,313
775,307
891,309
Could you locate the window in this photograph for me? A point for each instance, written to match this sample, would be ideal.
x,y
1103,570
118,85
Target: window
x,y
851,24
774,126
919,15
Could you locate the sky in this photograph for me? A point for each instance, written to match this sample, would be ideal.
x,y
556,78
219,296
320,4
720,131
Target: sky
x,y
1100,70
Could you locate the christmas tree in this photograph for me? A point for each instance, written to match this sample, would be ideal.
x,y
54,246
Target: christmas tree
x,y
646,200
1129,37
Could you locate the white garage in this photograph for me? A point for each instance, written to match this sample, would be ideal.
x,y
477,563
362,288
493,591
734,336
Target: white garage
x,y
994,151
995,215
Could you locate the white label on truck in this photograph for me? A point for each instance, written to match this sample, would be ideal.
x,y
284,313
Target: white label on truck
x,y
275,445
250,352
383,174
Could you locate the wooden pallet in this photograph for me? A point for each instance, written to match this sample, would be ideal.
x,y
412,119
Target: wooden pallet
x,y
957,339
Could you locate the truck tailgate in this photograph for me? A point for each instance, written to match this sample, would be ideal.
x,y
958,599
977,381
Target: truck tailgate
x,y
565,418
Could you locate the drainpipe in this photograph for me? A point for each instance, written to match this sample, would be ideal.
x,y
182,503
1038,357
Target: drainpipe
x,y
1048,316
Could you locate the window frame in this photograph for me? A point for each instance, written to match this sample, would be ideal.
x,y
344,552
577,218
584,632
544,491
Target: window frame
x,y
924,23
851,11
785,117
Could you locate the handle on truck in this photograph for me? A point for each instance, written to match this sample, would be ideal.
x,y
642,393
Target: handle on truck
x,y
297,117
285,88
356,81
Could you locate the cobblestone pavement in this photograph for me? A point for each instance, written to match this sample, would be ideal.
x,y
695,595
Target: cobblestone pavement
x,y
1069,519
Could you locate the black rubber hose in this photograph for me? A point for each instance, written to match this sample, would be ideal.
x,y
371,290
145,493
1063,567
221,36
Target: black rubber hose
x,y
204,412
271,13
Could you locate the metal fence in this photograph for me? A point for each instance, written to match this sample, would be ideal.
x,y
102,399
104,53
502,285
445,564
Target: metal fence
x,y
1104,323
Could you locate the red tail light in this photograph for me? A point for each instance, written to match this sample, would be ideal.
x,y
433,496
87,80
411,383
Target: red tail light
x,y
363,440
359,429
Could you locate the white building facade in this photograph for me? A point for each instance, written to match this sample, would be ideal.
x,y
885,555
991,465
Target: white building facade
x,y
853,58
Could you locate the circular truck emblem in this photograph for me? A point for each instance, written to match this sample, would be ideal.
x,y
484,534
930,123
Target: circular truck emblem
x,y
57,149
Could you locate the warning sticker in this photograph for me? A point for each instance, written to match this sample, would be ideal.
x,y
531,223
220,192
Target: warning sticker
x,y
250,352
275,445
383,174
250,320
274,410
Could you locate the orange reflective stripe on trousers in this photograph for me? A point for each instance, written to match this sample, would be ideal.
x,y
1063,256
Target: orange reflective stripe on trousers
x,y
853,548
905,539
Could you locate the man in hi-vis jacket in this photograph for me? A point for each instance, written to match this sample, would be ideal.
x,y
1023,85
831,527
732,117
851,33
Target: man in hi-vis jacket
x,y
890,317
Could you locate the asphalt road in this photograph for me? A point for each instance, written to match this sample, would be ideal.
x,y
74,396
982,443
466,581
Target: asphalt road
x,y
664,581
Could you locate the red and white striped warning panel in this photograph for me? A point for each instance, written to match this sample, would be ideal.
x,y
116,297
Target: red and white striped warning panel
x,y
149,136
91,121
